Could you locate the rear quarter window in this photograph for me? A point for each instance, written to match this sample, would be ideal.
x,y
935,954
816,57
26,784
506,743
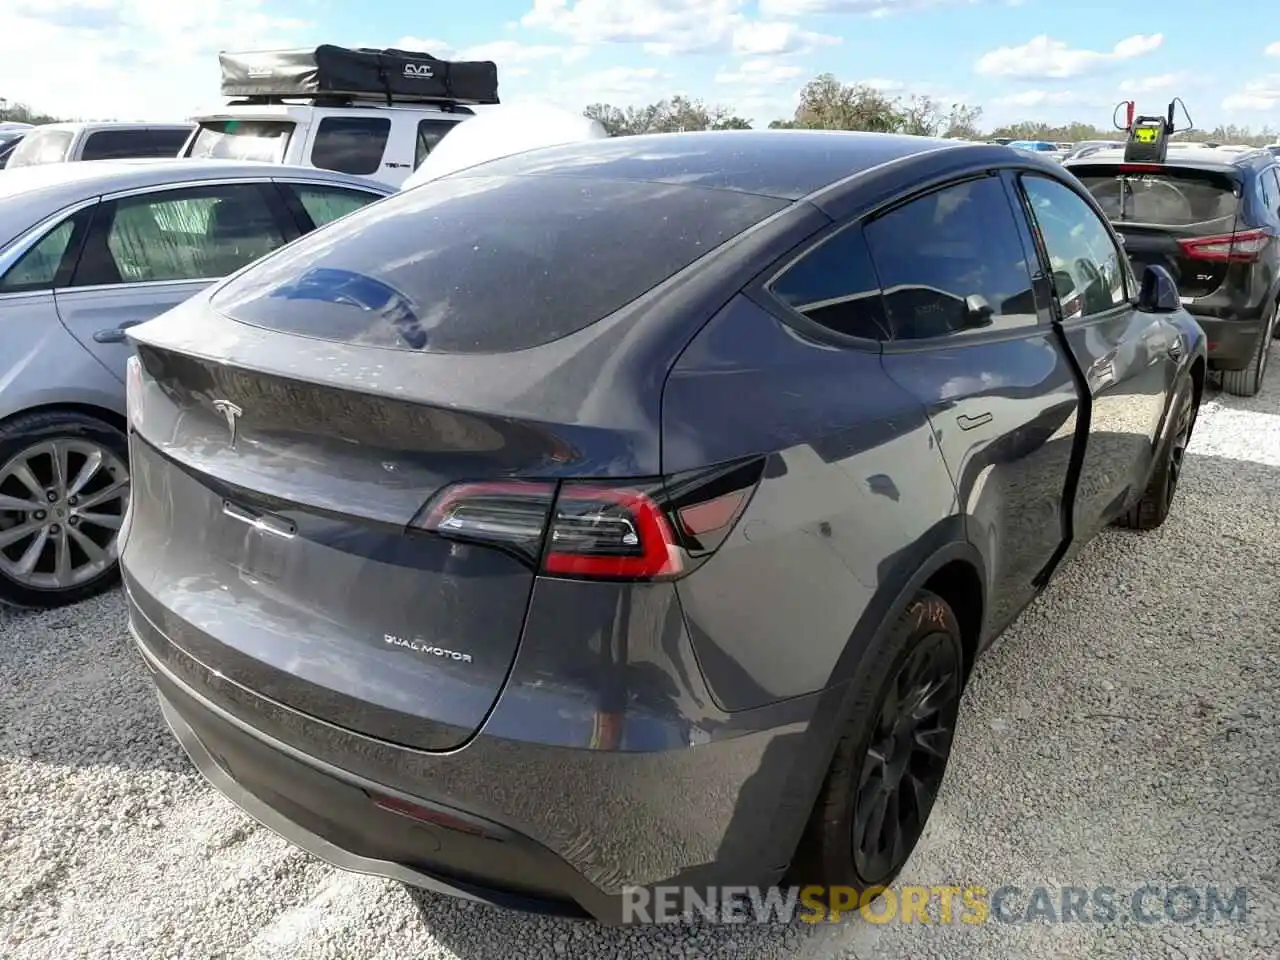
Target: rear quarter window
x,y
487,264
1168,198
351,144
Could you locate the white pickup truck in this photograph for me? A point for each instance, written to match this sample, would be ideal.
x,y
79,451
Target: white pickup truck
x,y
371,113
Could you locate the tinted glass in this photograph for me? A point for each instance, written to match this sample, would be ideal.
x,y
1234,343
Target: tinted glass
x,y
1088,269
264,140
1204,199
325,204
430,133
487,264
168,143
39,265
116,144
351,144
835,285
42,146
193,234
952,261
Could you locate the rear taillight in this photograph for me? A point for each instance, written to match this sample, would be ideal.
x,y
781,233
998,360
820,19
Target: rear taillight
x,y
599,530
1243,245
133,391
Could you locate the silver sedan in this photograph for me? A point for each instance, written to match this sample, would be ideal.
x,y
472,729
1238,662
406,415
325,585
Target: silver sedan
x,y
86,251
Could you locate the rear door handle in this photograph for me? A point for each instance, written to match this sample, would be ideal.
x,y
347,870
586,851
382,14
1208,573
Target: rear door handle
x,y
969,423
117,334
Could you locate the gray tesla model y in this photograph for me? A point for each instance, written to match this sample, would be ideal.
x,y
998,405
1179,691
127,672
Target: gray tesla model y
x,y
631,512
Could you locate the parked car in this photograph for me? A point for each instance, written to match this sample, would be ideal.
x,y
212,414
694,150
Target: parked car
x,y
1211,216
625,512
67,142
86,250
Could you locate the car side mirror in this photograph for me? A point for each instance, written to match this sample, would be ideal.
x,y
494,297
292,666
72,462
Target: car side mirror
x,y
1158,292
977,311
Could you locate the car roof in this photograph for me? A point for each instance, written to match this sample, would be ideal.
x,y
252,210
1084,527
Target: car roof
x,y
1198,156
74,126
784,164
29,194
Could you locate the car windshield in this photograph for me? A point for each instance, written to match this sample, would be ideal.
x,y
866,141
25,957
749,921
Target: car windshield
x,y
1168,197
263,140
42,146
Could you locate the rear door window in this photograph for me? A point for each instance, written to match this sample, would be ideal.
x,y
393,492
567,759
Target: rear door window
x,y
952,262
42,146
351,144
116,144
264,140
194,233
487,264
1169,197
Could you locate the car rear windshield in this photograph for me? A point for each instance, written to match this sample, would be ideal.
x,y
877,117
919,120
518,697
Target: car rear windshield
x,y
487,264
42,146
264,140
1169,197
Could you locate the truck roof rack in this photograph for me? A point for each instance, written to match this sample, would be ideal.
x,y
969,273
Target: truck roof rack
x,y
330,100
348,76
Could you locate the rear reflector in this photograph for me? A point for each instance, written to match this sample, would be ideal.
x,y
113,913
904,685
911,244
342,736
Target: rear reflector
x,y
598,530
1243,246
423,814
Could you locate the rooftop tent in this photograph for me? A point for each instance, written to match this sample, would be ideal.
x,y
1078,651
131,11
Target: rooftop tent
x,y
501,131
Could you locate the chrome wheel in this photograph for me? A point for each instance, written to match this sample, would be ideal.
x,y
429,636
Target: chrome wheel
x,y
62,501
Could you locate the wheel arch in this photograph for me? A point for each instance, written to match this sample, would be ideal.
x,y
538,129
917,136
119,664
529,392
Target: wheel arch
x,y
105,414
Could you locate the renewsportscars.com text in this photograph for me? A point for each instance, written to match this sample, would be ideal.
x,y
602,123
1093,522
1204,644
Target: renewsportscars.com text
x,y
969,904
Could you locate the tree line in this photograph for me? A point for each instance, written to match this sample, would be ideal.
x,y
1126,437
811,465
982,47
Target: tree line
x,y
827,104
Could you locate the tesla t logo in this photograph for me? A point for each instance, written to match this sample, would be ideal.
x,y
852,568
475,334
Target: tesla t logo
x,y
418,70
231,413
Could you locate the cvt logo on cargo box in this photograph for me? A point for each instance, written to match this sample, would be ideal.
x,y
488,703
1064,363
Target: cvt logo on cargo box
x,y
421,70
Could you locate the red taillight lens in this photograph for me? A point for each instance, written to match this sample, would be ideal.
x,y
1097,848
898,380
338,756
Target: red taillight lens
x,y
133,391
1244,246
599,530
611,533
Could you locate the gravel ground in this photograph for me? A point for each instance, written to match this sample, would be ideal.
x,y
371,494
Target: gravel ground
x,y
1124,731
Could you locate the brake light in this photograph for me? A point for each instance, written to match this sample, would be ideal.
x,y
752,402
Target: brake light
x,y
1140,168
599,530
133,391
1242,246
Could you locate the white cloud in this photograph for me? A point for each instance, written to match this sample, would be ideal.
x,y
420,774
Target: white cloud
x,y
133,59
663,26
1039,98
761,73
1260,94
1043,56
619,86
1272,49
874,8
777,38
1155,84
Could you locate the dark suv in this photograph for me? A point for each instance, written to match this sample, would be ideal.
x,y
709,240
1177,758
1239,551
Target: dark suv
x,y
1211,215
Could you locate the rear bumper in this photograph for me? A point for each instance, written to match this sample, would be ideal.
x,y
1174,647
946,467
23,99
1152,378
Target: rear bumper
x,y
1231,342
523,825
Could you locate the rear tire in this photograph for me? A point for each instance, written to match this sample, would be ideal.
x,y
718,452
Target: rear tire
x,y
37,526
1153,509
1247,382
890,761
